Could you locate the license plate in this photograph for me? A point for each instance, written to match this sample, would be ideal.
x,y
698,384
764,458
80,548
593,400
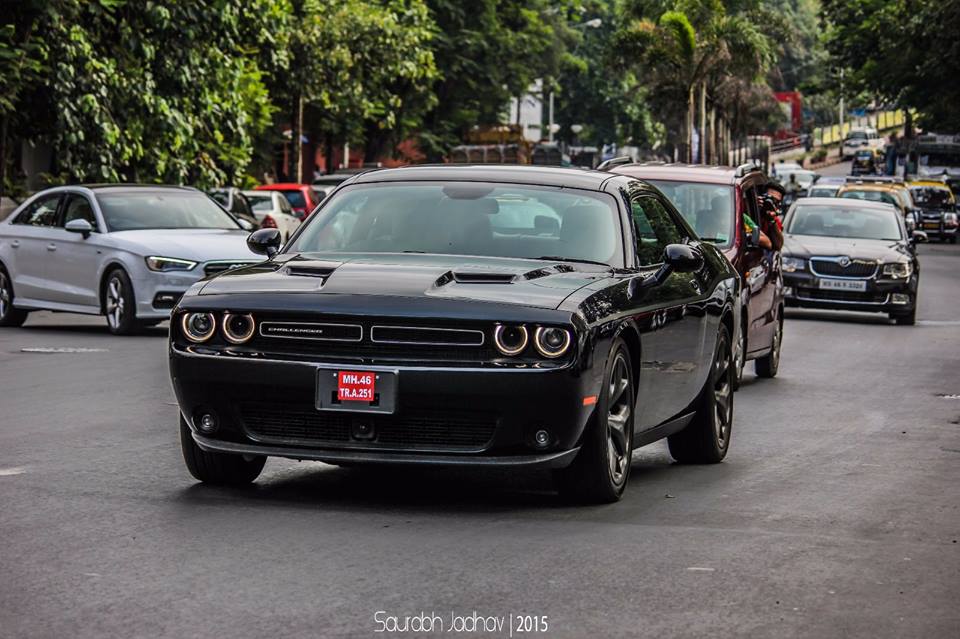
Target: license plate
x,y
931,225
844,285
356,390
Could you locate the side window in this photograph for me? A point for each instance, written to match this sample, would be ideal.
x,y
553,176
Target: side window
x,y
750,207
655,229
43,212
78,207
285,205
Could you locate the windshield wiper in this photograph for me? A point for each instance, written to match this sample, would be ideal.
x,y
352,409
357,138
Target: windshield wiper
x,y
557,258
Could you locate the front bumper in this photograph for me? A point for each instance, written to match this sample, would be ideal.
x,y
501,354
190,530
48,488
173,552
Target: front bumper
x,y
802,290
935,228
483,416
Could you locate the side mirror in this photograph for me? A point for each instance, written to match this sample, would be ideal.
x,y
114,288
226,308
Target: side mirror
x,y
919,237
246,225
680,258
910,223
265,242
79,226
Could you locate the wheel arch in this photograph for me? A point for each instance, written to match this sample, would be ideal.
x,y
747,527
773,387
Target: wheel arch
x,y
631,335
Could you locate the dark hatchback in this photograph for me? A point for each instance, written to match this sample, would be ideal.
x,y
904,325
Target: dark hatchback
x,y
713,200
852,255
484,316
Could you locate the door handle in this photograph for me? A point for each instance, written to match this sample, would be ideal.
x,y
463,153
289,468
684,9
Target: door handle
x,y
15,243
51,247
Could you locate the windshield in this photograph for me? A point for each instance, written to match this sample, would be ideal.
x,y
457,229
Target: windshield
x,y
844,221
162,209
857,135
873,196
459,218
260,202
823,191
932,197
708,208
295,198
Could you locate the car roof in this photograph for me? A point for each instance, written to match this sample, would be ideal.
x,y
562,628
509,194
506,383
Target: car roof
x,y
507,173
928,183
281,185
678,172
871,186
840,201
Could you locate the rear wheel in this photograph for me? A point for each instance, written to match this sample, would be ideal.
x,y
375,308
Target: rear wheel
x,y
217,468
706,439
769,364
600,471
9,316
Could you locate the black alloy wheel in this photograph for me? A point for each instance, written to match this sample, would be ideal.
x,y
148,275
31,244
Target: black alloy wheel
x,y
707,438
599,473
217,468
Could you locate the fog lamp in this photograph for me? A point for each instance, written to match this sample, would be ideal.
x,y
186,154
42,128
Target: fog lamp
x,y
900,298
541,439
207,423
788,291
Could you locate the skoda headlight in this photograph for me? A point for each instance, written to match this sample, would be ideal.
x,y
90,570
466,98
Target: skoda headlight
x,y
899,270
791,264
165,264
950,219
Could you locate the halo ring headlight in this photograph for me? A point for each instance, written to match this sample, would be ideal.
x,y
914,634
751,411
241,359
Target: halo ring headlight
x,y
198,327
238,328
552,342
510,339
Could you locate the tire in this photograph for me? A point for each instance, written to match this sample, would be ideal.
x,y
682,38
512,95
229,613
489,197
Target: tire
x,y
707,438
601,469
768,365
217,468
9,316
119,303
905,319
740,362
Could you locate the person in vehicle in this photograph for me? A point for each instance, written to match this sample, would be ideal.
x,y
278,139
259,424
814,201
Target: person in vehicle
x,y
770,235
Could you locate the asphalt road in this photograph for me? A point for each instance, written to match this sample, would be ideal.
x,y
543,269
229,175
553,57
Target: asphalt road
x,y
835,514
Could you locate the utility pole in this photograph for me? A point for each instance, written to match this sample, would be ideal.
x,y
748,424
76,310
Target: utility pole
x,y
550,125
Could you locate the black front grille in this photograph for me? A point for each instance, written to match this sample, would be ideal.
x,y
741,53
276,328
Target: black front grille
x,y
425,335
842,296
412,429
856,268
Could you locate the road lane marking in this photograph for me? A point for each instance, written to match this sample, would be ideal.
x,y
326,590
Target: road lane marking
x,y
16,470
700,569
46,350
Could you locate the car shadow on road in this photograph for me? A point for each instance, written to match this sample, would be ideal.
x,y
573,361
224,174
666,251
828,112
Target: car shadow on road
x,y
417,490
843,317
89,329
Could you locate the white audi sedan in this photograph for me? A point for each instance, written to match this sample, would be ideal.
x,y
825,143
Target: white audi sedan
x,y
124,251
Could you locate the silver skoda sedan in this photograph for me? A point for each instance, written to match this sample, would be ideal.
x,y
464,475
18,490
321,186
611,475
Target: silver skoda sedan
x,y
124,251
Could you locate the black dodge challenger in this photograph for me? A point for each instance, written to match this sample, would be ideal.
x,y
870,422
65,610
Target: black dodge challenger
x,y
502,316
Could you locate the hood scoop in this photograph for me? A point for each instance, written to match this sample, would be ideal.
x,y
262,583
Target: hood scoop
x,y
308,270
482,277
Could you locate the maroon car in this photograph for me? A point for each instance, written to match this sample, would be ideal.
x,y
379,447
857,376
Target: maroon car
x,y
714,200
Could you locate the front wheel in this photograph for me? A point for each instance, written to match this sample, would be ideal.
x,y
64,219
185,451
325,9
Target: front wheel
x,y
217,468
905,319
706,439
600,471
769,364
119,304
9,316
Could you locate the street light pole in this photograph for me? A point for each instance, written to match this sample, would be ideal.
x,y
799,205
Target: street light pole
x,y
550,125
841,102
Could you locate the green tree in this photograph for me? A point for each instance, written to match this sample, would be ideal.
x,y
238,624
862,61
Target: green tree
x,y
902,52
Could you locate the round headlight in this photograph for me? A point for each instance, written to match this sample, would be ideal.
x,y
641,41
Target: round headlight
x,y
199,327
552,342
510,339
238,328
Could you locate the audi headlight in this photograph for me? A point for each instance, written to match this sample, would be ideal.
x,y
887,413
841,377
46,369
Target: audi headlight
x,y
899,270
510,339
198,327
237,328
165,264
552,342
791,264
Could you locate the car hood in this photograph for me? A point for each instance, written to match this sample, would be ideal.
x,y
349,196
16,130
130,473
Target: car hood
x,y
804,246
198,245
537,283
